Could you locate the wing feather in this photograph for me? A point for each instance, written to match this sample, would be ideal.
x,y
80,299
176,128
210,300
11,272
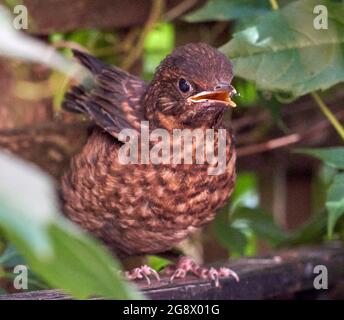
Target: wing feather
x,y
114,102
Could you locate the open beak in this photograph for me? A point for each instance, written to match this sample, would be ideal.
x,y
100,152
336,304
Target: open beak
x,y
222,93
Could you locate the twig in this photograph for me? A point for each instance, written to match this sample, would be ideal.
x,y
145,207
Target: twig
x,y
329,115
130,38
249,120
269,145
179,10
274,4
284,141
154,16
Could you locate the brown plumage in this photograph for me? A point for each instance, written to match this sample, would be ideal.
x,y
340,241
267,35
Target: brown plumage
x,y
147,208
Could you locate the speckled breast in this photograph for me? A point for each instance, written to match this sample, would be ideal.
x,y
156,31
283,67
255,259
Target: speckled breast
x,y
142,208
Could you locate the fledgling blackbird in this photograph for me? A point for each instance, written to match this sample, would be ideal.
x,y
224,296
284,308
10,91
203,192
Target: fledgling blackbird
x,y
148,208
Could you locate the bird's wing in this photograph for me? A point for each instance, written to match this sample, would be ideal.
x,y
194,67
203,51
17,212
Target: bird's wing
x,y
114,102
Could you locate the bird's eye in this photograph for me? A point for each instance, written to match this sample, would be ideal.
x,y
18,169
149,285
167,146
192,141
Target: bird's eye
x,y
184,86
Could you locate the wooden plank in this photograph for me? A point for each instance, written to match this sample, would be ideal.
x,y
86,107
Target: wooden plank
x,y
65,16
289,272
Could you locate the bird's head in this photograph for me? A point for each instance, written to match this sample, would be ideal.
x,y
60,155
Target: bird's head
x,y
191,88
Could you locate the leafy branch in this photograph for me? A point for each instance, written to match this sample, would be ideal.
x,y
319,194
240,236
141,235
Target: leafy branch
x,y
321,104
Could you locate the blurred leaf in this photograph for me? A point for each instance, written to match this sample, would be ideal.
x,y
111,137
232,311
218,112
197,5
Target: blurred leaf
x,y
93,39
321,181
299,59
223,10
55,248
161,38
158,263
19,45
335,203
333,157
11,257
158,43
23,190
231,238
327,174
245,192
60,84
12,3
55,37
310,232
261,223
33,283
86,38
340,228
275,109
248,92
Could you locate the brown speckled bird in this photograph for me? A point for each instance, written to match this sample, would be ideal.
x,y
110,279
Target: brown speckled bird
x,y
140,209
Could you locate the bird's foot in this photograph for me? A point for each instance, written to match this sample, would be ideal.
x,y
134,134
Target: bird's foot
x,y
186,264
143,272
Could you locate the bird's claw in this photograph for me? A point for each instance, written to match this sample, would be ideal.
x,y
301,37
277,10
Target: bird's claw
x,y
186,265
143,272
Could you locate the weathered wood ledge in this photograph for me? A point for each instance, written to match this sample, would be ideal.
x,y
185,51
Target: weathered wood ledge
x,y
286,273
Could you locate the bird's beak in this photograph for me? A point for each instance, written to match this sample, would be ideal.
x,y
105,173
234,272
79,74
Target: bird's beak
x,y
222,93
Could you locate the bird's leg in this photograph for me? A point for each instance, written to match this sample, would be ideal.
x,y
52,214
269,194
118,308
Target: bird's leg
x,y
186,264
143,272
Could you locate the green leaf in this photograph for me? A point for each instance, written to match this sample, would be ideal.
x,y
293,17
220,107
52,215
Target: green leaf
x,y
282,50
56,250
333,157
245,192
10,257
230,237
158,263
233,239
274,106
261,223
310,232
23,190
158,43
12,3
223,10
335,203
248,93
